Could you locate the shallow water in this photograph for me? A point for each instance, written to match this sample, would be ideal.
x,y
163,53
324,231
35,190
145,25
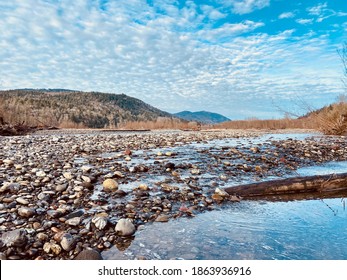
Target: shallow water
x,y
314,229
305,229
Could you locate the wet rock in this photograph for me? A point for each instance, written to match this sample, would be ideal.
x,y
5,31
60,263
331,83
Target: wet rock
x,y
77,213
234,198
143,187
89,254
195,171
110,185
221,192
125,227
162,218
218,198
127,152
118,174
14,238
86,168
170,165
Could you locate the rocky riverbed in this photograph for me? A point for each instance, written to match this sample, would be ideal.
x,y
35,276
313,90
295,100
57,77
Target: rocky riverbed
x,y
68,195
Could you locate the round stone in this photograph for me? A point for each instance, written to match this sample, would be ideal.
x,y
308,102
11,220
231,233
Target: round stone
x,y
68,242
89,254
26,212
162,218
110,185
125,227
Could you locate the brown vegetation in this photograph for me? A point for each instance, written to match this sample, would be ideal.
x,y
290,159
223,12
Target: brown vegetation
x,y
161,123
285,123
74,109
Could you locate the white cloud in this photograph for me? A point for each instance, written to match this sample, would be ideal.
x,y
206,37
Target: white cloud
x,y
246,6
304,21
229,30
317,10
161,54
322,12
286,15
212,13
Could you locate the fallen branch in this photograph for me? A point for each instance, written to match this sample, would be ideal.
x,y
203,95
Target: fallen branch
x,y
322,184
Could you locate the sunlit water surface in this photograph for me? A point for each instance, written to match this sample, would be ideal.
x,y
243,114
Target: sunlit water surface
x,y
305,229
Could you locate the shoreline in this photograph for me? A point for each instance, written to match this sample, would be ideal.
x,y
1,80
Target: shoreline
x,y
52,184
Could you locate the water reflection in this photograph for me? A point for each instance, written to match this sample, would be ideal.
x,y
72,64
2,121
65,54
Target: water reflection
x,y
313,229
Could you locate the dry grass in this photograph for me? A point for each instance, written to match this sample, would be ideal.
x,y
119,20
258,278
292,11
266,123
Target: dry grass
x,y
332,120
286,123
160,123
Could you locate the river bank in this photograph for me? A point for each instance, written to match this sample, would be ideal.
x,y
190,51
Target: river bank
x,y
53,202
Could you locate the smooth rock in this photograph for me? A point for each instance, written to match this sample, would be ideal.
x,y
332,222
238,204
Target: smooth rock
x,y
162,218
68,175
26,212
89,254
40,173
22,201
60,188
110,185
143,187
68,242
86,168
73,221
125,227
221,192
14,238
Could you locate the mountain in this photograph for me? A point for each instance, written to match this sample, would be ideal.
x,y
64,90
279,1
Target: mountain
x,y
69,108
202,117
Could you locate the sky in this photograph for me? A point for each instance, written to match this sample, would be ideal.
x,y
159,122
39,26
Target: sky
x,y
240,58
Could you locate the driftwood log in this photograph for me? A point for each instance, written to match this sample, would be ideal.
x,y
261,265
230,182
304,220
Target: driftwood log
x,y
319,185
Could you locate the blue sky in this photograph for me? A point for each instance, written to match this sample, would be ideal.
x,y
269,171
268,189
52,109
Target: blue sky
x,y
240,58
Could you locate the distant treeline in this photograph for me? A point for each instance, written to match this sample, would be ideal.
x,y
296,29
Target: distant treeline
x,y
74,109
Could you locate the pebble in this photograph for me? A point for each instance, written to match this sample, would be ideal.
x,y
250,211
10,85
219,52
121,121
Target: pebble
x,y
26,212
22,201
125,227
40,173
55,187
73,221
89,254
67,242
68,175
162,218
110,185
100,221
15,238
